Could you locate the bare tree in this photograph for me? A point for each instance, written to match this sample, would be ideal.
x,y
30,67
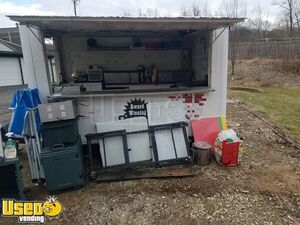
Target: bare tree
x,y
288,8
185,12
233,9
259,20
198,8
126,13
297,16
149,12
75,3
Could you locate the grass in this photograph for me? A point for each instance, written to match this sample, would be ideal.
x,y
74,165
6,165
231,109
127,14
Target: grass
x,y
281,104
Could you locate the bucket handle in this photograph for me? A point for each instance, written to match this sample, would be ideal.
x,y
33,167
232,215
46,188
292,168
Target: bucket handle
x,y
58,146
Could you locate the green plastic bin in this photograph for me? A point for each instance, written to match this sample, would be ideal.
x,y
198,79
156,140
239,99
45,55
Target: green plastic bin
x,y
63,169
60,132
11,185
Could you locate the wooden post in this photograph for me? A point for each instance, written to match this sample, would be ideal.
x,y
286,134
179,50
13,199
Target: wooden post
x,y
276,49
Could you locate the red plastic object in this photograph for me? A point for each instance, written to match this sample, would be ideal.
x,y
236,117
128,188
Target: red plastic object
x,y
206,129
230,153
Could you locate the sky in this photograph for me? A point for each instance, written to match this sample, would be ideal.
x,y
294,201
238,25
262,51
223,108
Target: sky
x,y
113,7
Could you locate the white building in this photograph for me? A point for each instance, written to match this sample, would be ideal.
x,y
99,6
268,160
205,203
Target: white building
x,y
11,58
11,64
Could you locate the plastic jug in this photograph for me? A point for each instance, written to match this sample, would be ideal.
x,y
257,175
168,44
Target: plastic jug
x,y
228,135
10,150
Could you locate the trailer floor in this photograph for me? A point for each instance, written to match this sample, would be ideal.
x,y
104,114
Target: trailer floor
x,y
264,189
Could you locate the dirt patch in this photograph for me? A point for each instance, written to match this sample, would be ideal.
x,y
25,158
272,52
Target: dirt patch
x,y
262,72
277,179
245,89
287,65
280,182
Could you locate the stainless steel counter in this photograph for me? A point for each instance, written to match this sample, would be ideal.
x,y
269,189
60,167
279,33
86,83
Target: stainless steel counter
x,y
133,92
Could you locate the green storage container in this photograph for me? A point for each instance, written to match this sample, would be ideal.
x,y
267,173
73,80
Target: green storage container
x,y
60,132
11,185
64,168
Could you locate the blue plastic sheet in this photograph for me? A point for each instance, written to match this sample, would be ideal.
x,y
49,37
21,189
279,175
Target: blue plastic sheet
x,y
23,100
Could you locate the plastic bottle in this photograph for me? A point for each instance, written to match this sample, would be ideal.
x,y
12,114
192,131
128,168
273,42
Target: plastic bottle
x,y
154,73
10,151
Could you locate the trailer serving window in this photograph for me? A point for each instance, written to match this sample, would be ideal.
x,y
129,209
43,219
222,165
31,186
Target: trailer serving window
x,y
136,60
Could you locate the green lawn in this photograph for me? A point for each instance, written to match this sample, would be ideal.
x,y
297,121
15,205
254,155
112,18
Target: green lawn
x,y
281,104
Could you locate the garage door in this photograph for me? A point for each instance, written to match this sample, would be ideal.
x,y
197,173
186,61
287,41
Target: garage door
x,y
10,73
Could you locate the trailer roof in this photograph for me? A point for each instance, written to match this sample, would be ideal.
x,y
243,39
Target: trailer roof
x,y
67,23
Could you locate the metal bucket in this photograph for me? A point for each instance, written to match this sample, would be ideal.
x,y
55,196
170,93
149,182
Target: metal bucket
x,y
202,151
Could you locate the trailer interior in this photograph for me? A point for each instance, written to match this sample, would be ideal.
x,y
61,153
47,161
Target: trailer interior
x,y
124,61
136,60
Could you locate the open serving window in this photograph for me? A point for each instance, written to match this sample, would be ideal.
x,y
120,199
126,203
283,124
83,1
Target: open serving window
x,y
136,60
126,60
114,54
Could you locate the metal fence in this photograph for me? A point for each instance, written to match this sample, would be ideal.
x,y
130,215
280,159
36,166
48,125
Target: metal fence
x,y
274,49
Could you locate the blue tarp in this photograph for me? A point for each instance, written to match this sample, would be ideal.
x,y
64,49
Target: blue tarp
x,y
23,101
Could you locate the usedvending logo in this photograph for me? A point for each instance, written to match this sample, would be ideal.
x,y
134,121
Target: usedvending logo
x,y
32,211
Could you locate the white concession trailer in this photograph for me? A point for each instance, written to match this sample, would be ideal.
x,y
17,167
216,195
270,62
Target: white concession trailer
x,y
177,66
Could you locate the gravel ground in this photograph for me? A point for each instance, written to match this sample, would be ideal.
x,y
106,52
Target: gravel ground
x,y
264,189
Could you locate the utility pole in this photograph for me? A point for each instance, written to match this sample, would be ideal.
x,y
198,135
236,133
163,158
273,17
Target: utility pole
x,y
75,3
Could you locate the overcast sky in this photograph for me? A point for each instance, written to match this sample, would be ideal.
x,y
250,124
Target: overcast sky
x,y
111,7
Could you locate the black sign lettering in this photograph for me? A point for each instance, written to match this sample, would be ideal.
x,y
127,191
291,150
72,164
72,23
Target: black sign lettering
x,y
135,108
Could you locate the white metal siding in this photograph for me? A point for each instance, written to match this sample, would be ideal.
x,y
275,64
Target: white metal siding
x,y
216,101
10,73
35,64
